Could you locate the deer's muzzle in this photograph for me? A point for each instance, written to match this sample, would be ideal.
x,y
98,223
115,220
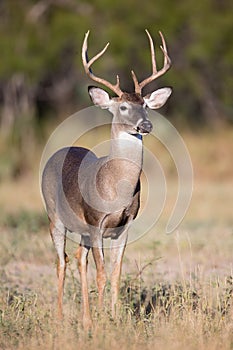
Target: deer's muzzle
x,y
144,127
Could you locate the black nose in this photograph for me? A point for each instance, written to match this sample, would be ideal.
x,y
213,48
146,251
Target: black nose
x,y
144,127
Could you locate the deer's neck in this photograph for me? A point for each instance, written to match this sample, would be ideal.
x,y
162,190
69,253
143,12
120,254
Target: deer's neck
x,y
118,176
126,151
127,146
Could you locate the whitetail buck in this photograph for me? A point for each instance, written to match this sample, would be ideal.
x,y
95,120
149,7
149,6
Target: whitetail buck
x,y
99,197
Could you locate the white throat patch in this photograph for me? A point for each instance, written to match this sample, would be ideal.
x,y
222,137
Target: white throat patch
x,y
130,137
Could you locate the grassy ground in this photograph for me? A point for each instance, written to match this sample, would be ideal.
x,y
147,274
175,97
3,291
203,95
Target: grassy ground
x,y
176,290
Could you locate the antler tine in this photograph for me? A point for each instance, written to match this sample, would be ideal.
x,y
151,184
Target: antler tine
x,y
155,73
136,83
87,64
152,50
167,60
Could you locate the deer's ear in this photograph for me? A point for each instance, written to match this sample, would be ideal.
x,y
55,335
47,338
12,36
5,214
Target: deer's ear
x,y
99,97
157,98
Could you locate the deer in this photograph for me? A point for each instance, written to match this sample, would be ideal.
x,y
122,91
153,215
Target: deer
x,y
99,198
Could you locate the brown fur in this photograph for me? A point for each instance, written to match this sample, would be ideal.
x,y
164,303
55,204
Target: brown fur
x,y
131,97
74,199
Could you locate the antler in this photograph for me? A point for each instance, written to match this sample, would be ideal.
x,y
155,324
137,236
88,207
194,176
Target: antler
x,y
87,64
155,73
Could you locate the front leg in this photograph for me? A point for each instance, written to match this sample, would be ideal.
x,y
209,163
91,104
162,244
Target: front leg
x,y
101,278
117,252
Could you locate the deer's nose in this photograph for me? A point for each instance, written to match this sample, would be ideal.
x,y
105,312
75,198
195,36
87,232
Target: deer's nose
x,y
144,127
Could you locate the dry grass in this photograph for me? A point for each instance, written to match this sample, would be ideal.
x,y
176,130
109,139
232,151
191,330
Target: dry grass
x,y
179,301
176,290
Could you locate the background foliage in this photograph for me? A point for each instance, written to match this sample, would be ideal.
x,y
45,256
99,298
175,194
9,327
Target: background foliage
x,y
42,78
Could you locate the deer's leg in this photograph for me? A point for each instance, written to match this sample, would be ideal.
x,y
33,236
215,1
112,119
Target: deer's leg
x,y
57,232
117,252
101,278
82,257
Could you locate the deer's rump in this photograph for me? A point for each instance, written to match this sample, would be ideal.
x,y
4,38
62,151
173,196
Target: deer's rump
x,y
59,185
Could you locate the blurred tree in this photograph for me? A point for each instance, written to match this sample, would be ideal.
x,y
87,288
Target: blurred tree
x,y
40,62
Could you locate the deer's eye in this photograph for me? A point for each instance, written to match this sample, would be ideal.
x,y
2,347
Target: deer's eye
x,y
123,108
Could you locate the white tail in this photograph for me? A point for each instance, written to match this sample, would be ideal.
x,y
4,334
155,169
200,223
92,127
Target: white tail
x,y
100,197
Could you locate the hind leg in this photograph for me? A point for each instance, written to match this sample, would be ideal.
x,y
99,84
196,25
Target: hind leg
x,y
82,257
58,234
